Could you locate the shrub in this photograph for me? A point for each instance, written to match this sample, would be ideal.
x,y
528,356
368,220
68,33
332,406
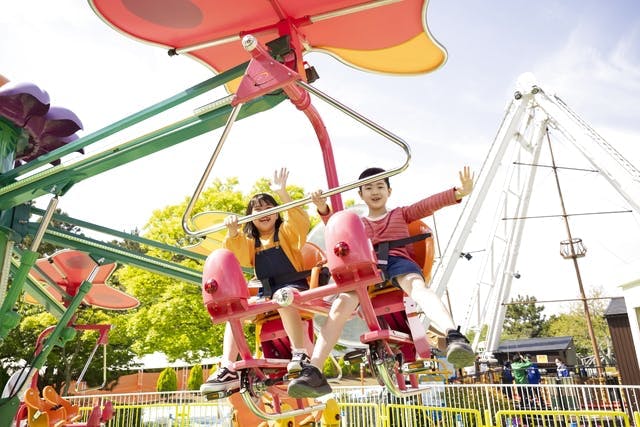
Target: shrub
x,y
329,369
195,378
167,381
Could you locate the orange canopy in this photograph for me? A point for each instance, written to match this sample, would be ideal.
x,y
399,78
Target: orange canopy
x,y
388,36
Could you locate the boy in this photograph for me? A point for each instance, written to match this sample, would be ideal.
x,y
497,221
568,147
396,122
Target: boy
x,y
384,225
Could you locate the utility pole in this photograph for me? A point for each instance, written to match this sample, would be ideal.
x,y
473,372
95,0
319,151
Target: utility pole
x,y
574,249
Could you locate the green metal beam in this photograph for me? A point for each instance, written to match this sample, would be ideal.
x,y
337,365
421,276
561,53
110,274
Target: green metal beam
x,y
58,179
123,235
127,122
100,249
38,293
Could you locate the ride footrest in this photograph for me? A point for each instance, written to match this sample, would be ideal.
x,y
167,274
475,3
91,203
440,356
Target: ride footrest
x,y
355,355
269,363
420,366
222,394
388,335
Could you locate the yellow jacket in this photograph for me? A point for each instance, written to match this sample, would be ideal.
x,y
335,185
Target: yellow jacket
x,y
292,236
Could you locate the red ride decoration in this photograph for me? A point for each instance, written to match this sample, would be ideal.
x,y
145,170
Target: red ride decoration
x,y
211,286
341,249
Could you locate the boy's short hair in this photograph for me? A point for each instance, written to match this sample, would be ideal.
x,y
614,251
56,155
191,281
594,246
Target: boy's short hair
x,y
373,171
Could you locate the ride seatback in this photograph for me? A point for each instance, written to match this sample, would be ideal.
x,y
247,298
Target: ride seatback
x,y
93,420
72,412
41,413
312,256
389,302
423,250
350,255
274,341
224,287
107,412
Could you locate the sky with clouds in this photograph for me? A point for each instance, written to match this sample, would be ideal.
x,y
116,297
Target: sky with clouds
x,y
588,52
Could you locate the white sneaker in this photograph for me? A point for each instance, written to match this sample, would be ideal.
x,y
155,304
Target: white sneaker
x,y
298,360
222,380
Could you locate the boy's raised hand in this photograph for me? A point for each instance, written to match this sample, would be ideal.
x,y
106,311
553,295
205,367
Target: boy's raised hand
x,y
466,181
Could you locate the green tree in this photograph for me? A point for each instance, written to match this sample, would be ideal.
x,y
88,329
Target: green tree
x,y
523,319
64,364
167,381
196,377
574,324
171,317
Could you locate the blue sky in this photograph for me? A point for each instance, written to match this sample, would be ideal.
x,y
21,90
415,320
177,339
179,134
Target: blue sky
x,y
588,52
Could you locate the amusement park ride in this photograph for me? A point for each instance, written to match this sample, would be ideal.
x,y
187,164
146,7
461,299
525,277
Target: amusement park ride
x,y
274,35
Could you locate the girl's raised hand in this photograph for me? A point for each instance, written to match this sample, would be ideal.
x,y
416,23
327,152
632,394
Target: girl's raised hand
x,y
279,182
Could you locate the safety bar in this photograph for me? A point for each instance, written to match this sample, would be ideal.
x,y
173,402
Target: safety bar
x,y
103,339
227,128
286,206
391,385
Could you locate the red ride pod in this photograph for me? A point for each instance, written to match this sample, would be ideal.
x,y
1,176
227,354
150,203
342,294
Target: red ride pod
x,y
224,288
350,255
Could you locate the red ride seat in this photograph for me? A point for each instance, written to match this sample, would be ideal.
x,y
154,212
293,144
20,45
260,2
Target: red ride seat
x,y
41,413
389,305
72,412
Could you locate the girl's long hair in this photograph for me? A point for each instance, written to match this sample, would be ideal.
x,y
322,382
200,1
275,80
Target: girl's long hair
x,y
259,199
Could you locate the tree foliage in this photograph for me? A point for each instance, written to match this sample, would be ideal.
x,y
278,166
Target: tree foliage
x,y
170,319
65,362
523,319
574,323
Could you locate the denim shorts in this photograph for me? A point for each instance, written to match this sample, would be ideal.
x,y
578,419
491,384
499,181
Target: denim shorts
x,y
300,285
398,266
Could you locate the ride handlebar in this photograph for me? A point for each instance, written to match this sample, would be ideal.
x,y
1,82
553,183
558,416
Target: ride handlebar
x,y
300,202
249,43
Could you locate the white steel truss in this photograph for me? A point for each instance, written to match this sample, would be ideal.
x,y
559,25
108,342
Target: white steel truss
x,y
518,142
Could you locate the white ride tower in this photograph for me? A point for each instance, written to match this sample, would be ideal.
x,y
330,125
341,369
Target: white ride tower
x,y
518,142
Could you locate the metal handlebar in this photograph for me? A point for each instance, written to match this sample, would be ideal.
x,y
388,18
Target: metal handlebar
x,y
348,111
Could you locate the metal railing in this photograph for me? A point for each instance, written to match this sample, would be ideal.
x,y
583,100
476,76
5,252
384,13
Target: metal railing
x,y
457,405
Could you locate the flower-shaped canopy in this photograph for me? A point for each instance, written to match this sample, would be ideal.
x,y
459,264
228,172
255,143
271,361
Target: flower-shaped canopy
x,y
29,126
388,36
69,268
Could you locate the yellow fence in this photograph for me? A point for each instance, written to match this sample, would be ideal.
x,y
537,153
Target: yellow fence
x,y
440,405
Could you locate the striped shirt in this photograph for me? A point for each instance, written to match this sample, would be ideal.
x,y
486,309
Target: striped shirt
x,y
395,224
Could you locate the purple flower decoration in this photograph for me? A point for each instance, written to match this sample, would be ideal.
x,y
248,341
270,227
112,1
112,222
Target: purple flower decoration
x,y
29,126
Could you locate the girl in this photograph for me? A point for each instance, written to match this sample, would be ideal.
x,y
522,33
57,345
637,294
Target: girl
x,y
272,246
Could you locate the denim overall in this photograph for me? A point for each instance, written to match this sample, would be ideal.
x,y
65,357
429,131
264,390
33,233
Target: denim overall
x,y
275,271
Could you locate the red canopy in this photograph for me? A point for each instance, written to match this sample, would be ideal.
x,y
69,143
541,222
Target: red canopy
x,y
69,268
389,36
